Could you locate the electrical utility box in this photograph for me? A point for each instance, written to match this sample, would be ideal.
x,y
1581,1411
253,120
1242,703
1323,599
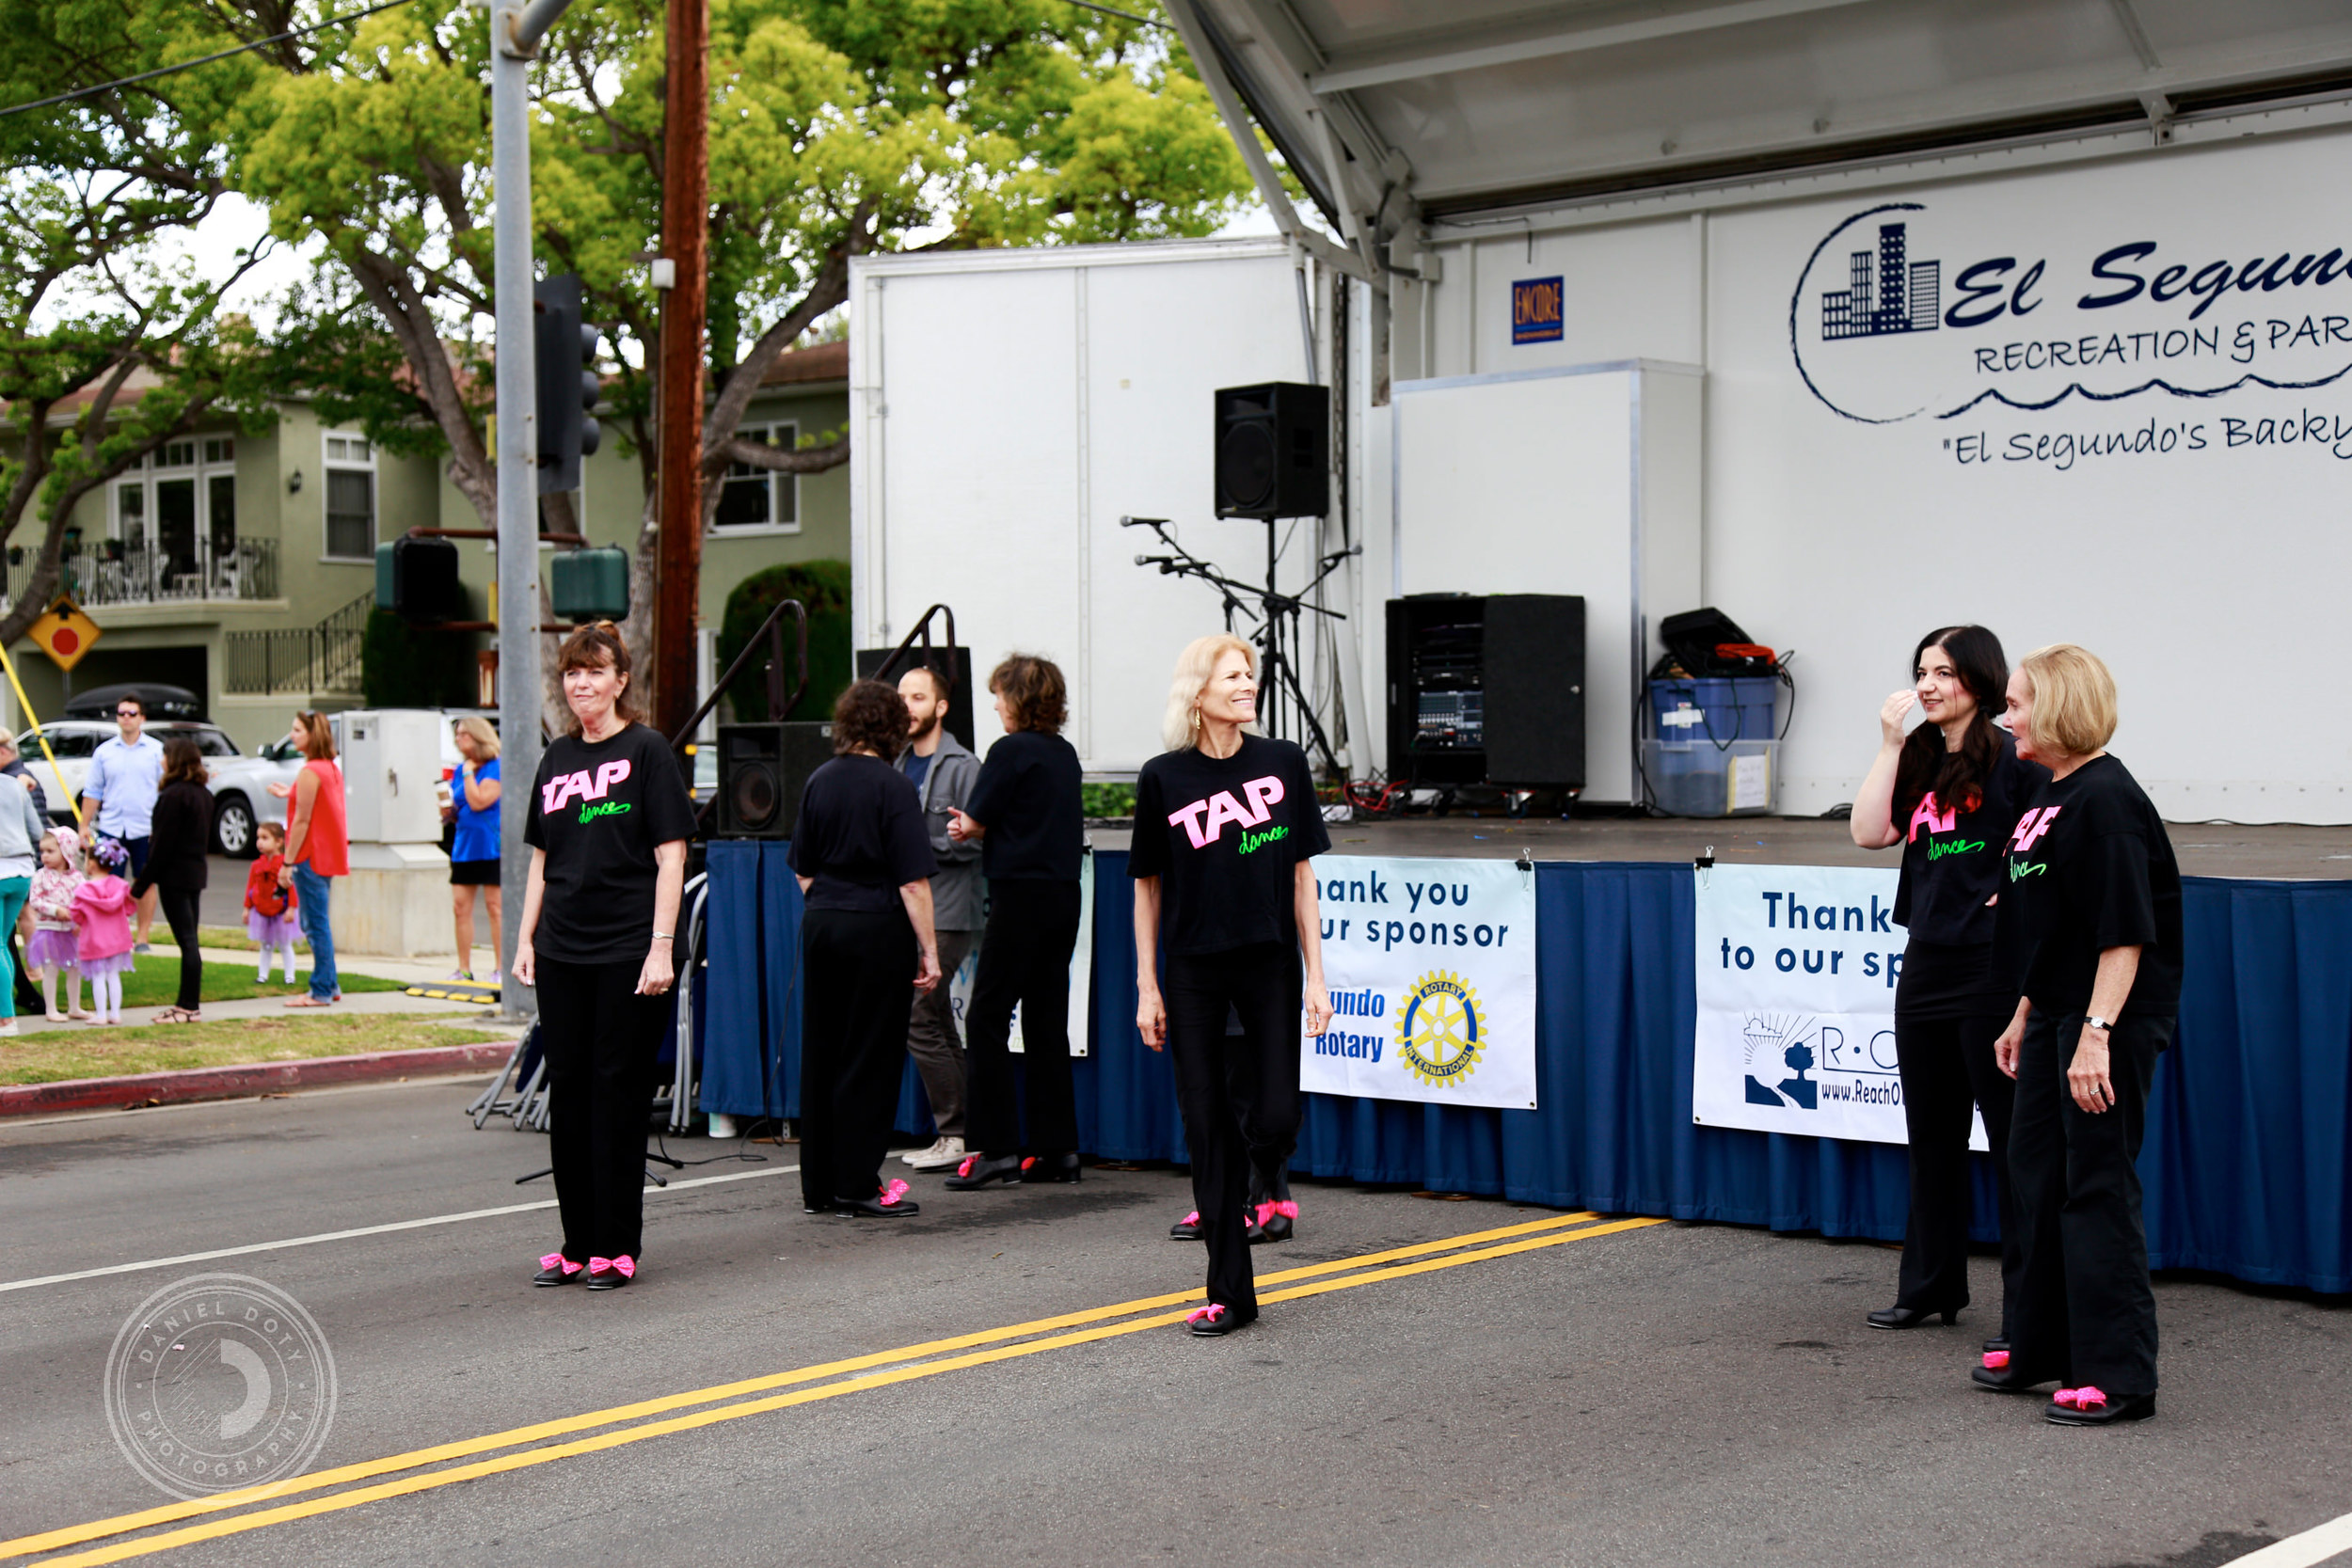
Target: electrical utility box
x,y
391,760
1487,689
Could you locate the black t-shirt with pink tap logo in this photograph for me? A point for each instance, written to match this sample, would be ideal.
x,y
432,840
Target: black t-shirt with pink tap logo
x,y
599,809
1225,836
2091,867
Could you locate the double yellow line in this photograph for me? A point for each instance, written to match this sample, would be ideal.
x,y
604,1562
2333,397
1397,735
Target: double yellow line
x,y
532,1445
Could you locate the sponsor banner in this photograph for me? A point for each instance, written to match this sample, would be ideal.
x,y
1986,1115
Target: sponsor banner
x,y
1797,968
1431,964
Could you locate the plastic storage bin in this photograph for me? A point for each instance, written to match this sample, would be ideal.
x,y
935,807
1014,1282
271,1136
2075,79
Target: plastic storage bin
x,y
1698,778
1720,708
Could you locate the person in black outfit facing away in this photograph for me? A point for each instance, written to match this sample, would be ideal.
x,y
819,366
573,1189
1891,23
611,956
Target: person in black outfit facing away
x,y
1026,811
182,835
864,863
1949,795
608,825
2091,921
1226,822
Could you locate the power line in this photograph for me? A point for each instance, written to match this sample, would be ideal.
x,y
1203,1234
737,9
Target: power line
x,y
1124,16
208,59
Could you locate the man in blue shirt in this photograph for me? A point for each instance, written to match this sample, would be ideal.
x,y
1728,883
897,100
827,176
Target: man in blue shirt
x,y
125,776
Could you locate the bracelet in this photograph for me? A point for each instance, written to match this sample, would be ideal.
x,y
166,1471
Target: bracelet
x,y
664,936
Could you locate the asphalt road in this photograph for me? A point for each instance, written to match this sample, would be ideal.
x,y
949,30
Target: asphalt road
x,y
1658,1394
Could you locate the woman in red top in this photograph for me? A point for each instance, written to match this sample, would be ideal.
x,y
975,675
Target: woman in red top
x,y
317,847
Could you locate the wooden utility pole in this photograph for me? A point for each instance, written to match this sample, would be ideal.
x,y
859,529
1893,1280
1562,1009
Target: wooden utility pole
x,y
684,217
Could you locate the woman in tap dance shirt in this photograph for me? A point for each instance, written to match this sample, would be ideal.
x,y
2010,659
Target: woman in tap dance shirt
x,y
1949,795
1226,822
864,859
608,824
2091,918
1027,813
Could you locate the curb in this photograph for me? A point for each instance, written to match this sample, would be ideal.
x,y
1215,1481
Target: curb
x,y
236,1083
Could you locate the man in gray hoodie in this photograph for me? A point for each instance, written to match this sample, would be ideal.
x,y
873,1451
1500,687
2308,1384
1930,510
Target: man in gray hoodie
x,y
943,772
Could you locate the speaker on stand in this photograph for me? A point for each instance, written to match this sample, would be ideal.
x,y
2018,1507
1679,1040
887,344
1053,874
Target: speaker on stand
x,y
1272,451
762,770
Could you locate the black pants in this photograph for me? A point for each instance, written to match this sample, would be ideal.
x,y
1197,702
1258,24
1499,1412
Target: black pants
x,y
1239,1093
1024,958
600,1040
1947,1071
856,967
180,907
2086,1311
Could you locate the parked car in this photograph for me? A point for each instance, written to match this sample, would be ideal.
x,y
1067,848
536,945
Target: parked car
x,y
239,784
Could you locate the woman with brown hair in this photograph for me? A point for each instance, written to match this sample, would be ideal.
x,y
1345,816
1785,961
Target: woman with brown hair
x,y
318,846
181,834
863,859
607,826
1027,812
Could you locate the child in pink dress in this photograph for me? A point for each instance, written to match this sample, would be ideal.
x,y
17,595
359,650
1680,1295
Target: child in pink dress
x,y
53,952
102,912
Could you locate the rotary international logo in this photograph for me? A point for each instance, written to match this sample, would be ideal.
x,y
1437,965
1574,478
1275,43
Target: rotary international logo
x,y
1439,1030
217,1382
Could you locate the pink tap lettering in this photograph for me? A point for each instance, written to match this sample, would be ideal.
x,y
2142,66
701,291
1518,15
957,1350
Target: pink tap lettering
x,y
1262,794
561,789
1223,808
1190,817
1925,817
606,776
2030,827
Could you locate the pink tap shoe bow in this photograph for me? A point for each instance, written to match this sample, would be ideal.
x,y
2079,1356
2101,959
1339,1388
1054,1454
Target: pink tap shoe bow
x,y
554,1257
626,1265
1995,1359
965,1168
1286,1207
1211,1313
892,1191
2085,1397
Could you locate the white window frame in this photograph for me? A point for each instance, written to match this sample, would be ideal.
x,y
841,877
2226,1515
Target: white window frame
x,y
329,464
780,486
142,476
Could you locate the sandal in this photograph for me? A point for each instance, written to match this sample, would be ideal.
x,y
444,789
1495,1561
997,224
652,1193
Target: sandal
x,y
306,999
177,1015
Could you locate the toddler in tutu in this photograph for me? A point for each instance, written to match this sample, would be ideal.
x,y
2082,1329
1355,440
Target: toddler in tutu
x,y
270,910
51,953
102,912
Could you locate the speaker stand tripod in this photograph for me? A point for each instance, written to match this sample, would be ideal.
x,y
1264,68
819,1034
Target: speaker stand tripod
x,y
1281,697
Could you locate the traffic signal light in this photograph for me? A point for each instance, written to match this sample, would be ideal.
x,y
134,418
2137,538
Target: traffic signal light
x,y
416,580
569,388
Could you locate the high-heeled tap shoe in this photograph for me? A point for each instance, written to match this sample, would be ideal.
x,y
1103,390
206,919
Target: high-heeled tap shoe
x,y
1903,1317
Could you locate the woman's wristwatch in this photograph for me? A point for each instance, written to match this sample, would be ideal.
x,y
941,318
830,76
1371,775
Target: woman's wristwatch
x,y
2104,1025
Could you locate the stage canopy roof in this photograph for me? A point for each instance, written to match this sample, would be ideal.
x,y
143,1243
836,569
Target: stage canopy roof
x,y
1396,111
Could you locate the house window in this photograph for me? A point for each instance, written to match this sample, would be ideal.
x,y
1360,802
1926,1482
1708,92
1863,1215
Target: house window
x,y
219,451
350,499
756,499
131,512
176,454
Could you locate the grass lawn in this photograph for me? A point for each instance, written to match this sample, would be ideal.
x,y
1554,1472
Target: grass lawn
x,y
156,983
58,1054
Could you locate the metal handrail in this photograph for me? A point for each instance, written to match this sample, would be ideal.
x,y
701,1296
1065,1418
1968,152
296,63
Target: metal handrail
x,y
923,630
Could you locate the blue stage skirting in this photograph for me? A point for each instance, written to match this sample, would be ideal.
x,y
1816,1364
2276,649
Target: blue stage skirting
x,y
2247,1166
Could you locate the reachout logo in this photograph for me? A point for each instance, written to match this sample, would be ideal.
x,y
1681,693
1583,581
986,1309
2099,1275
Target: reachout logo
x,y
1901,311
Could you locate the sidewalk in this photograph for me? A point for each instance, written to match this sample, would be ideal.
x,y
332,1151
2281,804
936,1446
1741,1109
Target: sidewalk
x,y
408,971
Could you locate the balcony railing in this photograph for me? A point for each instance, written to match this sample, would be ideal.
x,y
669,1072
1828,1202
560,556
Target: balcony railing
x,y
321,661
114,573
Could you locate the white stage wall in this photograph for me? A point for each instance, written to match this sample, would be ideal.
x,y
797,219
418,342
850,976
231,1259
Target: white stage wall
x,y
1860,490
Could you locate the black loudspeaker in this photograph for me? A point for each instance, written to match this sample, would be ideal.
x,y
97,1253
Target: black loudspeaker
x,y
1486,689
1272,451
762,770
960,710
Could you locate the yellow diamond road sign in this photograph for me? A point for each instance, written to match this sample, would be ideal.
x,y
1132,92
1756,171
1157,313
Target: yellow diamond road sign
x,y
64,633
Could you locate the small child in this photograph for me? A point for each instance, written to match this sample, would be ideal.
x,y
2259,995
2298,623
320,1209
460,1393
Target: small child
x,y
51,953
102,910
270,910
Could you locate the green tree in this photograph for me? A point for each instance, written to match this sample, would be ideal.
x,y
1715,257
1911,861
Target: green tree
x,y
823,589
108,350
837,129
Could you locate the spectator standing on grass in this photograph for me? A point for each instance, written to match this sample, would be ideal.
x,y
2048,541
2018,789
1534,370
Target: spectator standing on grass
x,y
52,952
943,773
473,853
12,766
270,918
118,796
22,830
183,832
101,919
318,846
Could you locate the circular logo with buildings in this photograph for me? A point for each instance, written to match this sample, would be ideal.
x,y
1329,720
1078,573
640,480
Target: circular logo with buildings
x,y
1440,1031
217,1382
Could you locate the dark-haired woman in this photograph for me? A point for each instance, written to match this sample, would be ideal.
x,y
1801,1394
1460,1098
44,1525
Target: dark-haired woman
x,y
178,842
863,855
1949,794
608,824
1026,811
